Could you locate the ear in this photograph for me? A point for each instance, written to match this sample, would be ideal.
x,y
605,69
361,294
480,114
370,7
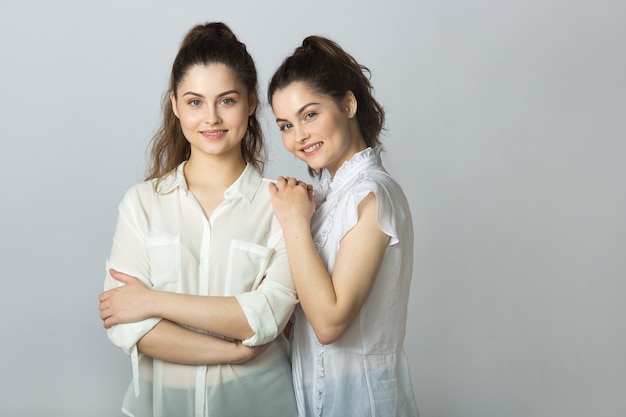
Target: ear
x,y
173,101
350,104
252,102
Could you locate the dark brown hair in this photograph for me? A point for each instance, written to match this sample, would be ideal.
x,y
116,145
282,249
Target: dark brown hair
x,y
324,67
203,45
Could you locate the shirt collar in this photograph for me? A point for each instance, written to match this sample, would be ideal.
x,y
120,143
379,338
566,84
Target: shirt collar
x,y
244,187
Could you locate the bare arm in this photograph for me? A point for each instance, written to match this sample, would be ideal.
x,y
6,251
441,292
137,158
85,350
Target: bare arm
x,y
134,301
172,343
330,304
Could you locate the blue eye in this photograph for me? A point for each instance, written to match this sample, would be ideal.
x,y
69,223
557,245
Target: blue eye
x,y
227,101
194,102
309,115
285,127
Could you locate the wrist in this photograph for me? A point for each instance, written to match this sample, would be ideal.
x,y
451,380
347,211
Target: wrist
x,y
297,228
155,303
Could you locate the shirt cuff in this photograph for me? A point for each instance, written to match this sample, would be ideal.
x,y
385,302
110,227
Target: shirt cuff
x,y
260,318
267,310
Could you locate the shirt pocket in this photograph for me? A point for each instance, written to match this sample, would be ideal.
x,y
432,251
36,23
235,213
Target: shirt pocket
x,y
247,264
165,268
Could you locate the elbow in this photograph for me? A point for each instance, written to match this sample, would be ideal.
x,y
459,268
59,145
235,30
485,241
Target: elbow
x,y
325,340
329,334
330,328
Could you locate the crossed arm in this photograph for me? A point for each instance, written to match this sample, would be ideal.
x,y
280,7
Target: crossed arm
x,y
172,326
134,302
170,341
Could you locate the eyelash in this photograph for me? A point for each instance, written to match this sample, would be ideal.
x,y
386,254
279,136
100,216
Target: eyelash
x,y
287,126
196,102
284,127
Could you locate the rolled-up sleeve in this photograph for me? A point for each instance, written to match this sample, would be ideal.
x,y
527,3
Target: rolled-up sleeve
x,y
129,255
269,307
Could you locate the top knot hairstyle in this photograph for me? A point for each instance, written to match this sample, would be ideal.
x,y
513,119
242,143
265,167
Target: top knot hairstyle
x,y
211,43
324,67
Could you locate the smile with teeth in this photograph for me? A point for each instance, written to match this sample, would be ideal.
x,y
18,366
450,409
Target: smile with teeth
x,y
213,133
311,148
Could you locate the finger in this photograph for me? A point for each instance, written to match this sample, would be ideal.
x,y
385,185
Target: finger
x,y
280,183
120,276
104,314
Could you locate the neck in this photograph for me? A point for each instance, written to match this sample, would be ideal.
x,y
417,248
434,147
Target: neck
x,y
357,146
212,173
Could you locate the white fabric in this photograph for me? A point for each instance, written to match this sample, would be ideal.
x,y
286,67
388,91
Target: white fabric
x,y
365,372
164,239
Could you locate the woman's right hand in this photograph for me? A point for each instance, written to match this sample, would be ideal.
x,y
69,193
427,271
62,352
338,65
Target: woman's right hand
x,y
292,200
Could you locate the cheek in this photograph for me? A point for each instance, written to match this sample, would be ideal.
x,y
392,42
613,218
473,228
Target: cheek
x,y
338,130
287,143
184,123
187,121
237,120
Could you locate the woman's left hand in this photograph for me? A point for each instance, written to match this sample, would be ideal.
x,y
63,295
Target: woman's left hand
x,y
127,303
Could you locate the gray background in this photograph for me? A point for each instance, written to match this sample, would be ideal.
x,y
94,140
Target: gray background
x,y
506,127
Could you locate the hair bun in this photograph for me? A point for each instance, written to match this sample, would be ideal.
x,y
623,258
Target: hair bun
x,y
218,30
213,30
309,44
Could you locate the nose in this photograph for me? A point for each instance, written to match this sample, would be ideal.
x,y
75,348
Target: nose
x,y
212,116
301,135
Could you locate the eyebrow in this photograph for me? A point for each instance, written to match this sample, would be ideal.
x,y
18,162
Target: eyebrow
x,y
302,109
225,93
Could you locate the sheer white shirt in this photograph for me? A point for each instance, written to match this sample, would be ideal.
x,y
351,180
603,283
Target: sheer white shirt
x,y
164,239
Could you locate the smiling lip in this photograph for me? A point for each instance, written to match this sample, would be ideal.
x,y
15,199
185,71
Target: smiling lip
x,y
311,149
214,133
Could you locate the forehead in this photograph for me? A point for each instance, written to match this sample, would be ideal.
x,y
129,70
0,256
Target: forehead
x,y
211,78
295,95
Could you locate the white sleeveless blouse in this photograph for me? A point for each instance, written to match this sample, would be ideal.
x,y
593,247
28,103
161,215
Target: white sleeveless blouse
x,y
365,372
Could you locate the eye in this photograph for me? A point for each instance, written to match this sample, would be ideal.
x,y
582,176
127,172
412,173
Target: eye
x,y
310,115
285,127
195,102
227,101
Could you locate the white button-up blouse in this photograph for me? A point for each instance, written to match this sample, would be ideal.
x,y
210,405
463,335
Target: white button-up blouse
x,y
164,238
365,372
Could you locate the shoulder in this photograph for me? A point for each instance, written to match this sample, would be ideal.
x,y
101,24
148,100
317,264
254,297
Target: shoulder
x,y
377,189
139,197
256,186
380,183
141,190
